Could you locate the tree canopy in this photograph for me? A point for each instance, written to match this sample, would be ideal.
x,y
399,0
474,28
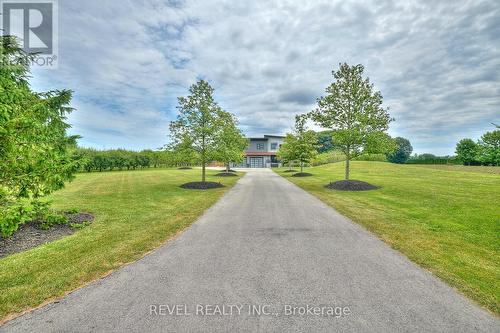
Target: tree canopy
x,y
182,151
467,151
489,148
300,145
325,141
286,153
402,151
485,151
231,142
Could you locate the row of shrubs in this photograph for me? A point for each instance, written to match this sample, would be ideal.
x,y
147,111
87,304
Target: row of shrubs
x,y
121,159
432,159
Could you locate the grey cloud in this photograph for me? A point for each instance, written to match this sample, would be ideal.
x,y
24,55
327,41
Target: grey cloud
x,y
436,63
299,96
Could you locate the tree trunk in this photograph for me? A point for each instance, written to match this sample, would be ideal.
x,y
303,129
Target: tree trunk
x,y
203,151
227,168
347,169
301,167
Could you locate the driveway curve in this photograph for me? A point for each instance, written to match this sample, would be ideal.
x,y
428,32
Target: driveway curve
x,y
268,257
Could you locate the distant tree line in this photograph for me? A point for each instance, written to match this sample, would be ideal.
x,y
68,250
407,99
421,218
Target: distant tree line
x,y
431,159
335,156
485,151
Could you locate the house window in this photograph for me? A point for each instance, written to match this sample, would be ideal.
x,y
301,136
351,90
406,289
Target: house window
x,y
274,145
260,146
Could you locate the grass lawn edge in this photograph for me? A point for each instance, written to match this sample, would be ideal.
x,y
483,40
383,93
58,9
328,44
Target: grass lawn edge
x,y
9,316
55,299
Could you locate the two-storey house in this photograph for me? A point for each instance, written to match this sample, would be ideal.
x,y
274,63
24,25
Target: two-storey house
x,y
261,152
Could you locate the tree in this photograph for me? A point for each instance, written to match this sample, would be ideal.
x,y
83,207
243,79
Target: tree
x,y
466,151
199,118
325,142
36,154
182,152
402,151
489,148
165,158
286,153
142,160
301,143
231,143
353,110
152,156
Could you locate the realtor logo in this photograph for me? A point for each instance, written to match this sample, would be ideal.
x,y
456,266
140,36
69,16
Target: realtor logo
x,y
34,23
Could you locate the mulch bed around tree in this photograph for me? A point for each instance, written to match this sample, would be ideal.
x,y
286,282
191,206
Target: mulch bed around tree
x,y
231,170
302,174
226,174
351,185
290,170
184,168
201,185
30,235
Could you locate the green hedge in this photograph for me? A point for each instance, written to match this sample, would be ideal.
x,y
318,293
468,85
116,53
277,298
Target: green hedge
x,y
337,156
121,159
432,159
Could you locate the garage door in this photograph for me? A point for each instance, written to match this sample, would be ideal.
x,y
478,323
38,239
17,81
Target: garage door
x,y
256,162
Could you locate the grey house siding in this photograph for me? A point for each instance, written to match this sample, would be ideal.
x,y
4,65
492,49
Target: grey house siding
x,y
254,143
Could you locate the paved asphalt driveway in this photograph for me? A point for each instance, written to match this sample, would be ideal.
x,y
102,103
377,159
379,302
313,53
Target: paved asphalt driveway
x,y
266,246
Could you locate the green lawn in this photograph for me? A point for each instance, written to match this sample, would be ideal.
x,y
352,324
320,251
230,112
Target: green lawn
x,y
447,219
136,211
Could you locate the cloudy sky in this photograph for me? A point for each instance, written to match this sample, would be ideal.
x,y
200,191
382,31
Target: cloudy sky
x,y
437,64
